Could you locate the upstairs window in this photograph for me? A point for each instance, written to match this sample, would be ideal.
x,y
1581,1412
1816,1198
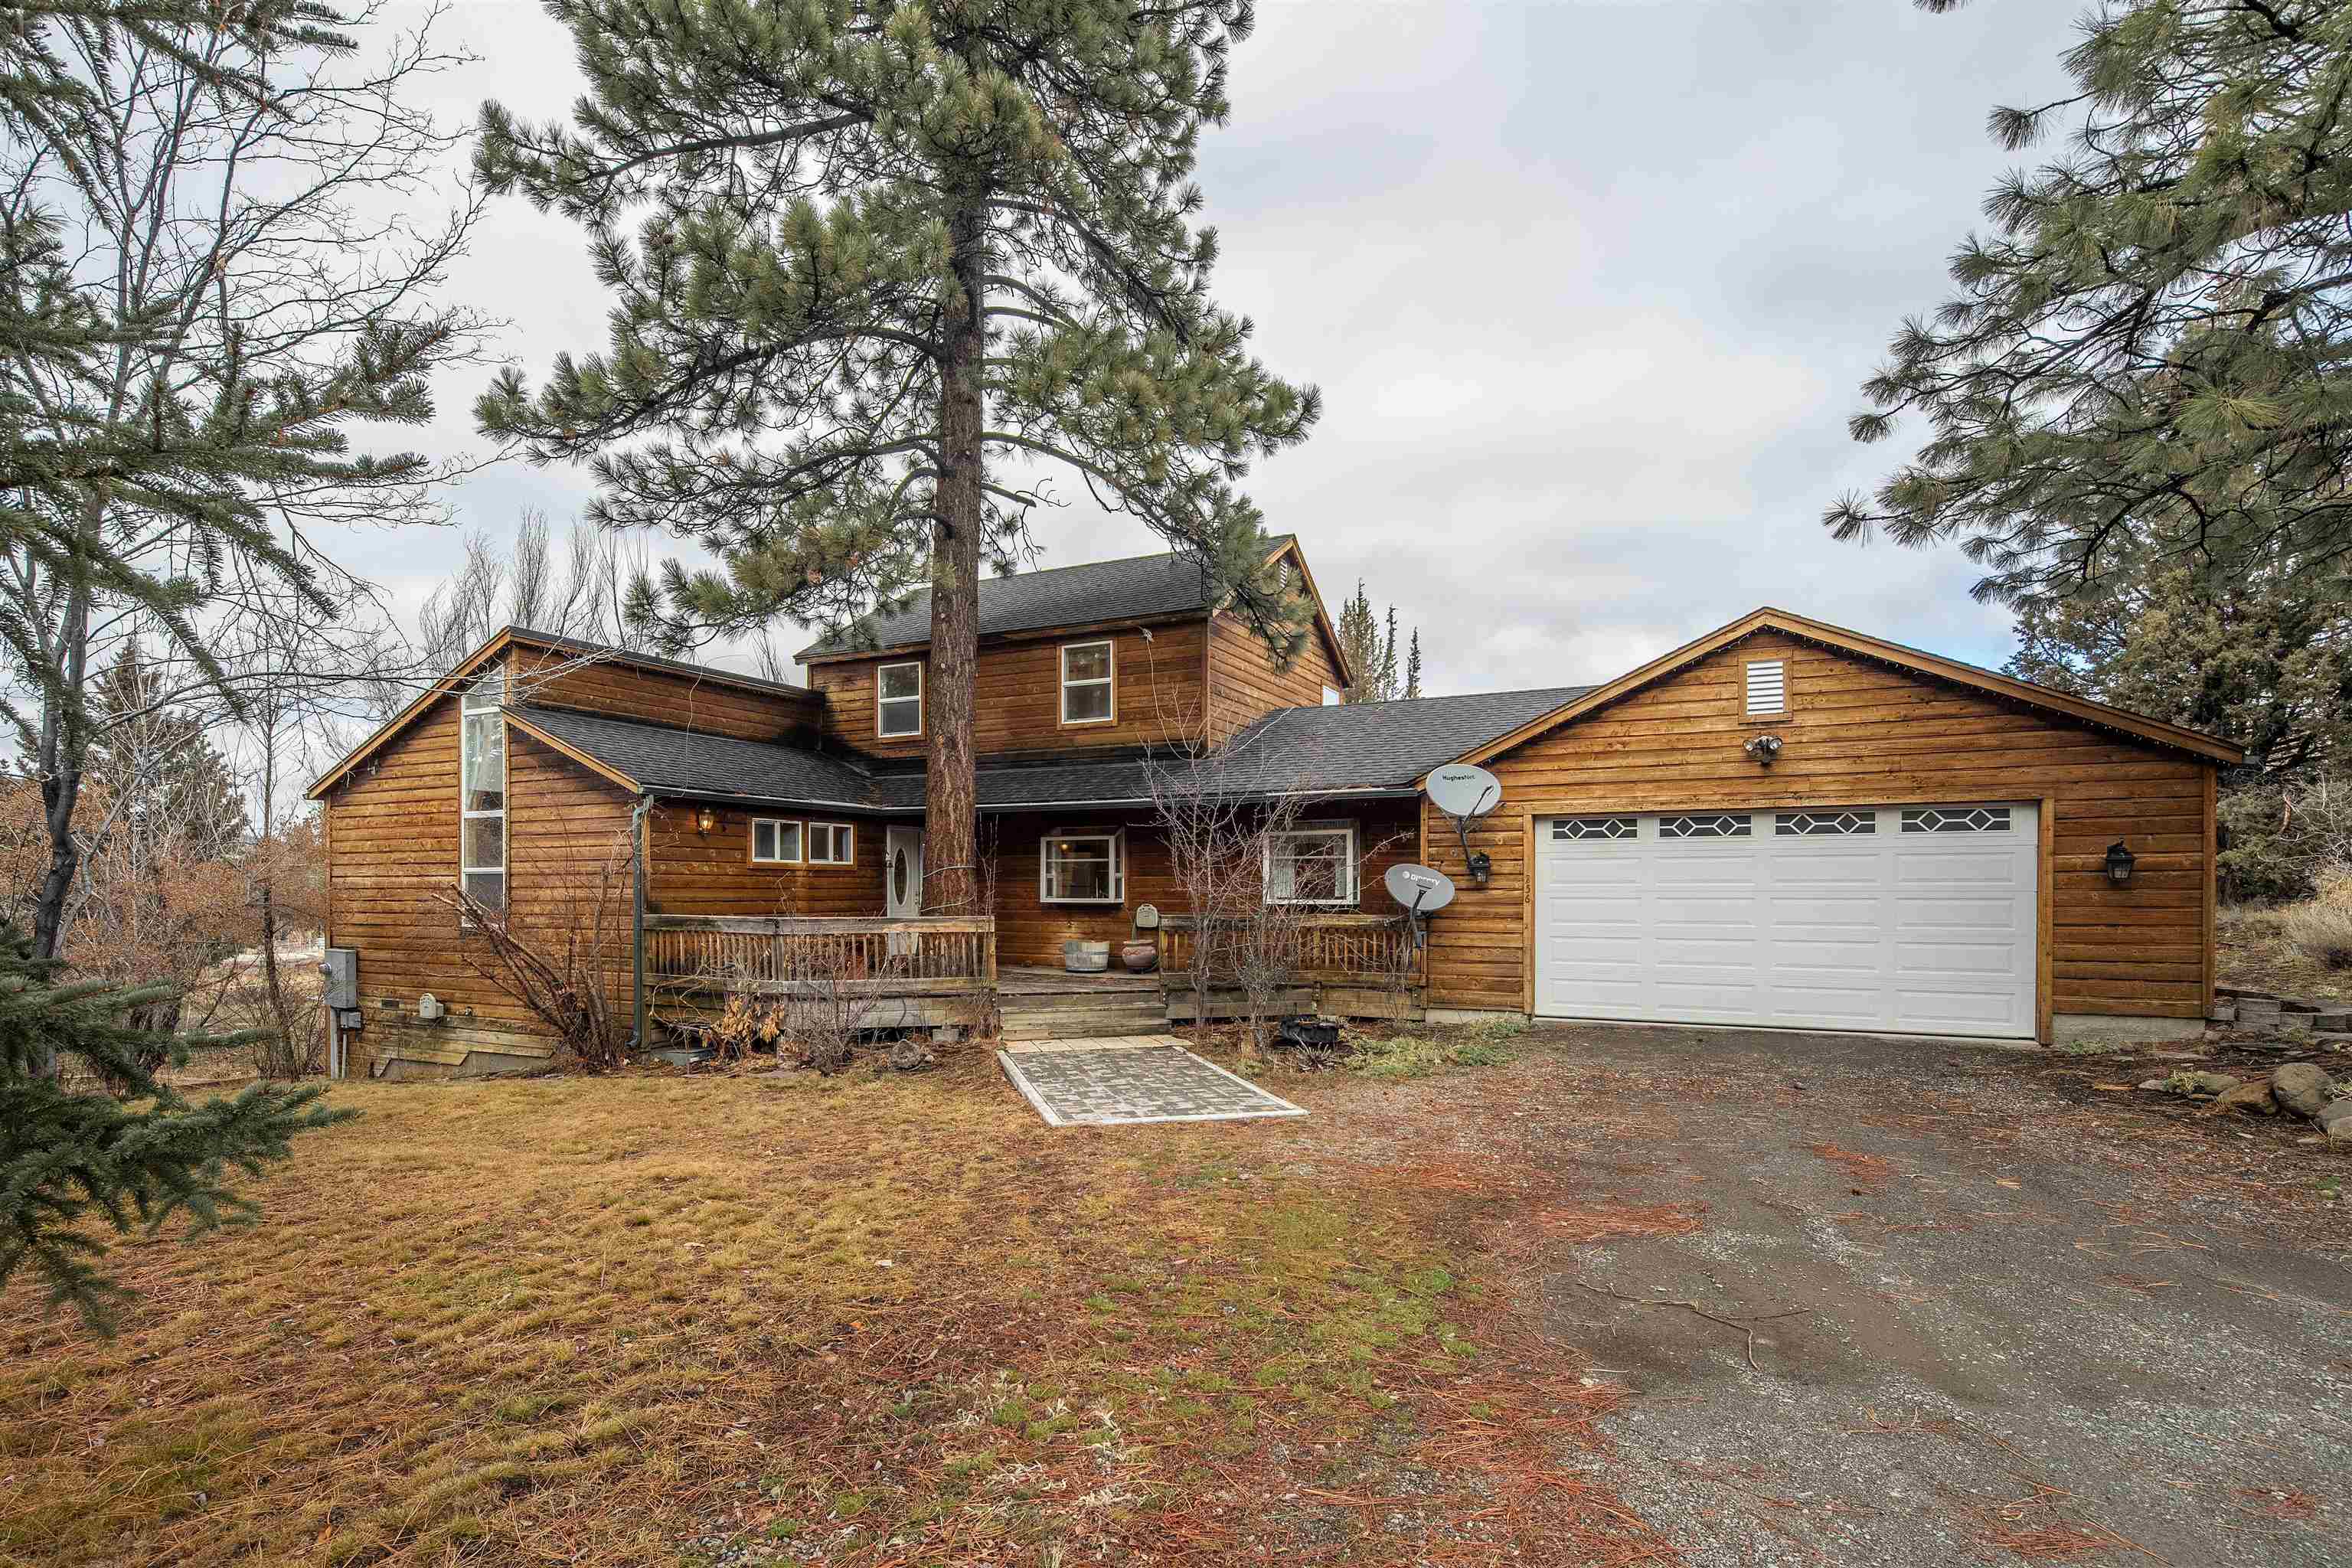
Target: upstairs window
x,y
1768,688
831,844
899,701
1088,668
1333,697
1082,868
482,793
776,842
1311,866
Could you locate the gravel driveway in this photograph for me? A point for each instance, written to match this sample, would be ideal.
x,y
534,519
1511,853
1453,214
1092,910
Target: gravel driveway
x,y
2022,1327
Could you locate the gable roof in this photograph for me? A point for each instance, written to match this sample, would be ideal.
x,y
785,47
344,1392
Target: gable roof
x,y
510,636
2083,709
1137,587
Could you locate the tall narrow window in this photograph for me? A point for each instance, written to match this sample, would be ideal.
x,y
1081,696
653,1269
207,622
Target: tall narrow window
x,y
1086,671
482,793
899,701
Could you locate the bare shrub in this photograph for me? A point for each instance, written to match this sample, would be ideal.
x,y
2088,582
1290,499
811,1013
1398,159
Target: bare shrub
x,y
831,995
565,970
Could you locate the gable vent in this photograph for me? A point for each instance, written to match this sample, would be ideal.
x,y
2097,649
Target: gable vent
x,y
1767,687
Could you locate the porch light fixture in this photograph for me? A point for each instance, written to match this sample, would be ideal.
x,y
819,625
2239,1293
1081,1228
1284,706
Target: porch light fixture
x,y
704,820
2119,863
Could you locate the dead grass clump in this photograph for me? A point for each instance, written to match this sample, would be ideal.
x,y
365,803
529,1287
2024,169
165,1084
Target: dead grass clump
x,y
2321,931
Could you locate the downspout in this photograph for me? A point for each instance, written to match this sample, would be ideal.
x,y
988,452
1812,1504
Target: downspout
x,y
637,934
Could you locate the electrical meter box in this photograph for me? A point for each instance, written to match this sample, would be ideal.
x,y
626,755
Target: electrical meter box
x,y
341,971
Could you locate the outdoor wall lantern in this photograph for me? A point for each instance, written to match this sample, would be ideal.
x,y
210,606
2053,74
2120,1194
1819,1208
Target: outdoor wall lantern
x,y
2119,863
704,820
1762,749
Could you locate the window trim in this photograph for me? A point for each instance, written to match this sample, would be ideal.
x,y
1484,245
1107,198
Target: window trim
x,y
800,842
843,833
471,704
1315,831
1108,680
879,701
1116,837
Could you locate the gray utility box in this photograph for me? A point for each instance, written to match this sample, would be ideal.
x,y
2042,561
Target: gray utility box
x,y
341,971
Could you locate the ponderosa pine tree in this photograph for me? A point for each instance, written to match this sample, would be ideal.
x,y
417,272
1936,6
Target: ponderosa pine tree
x,y
2144,359
136,1157
890,260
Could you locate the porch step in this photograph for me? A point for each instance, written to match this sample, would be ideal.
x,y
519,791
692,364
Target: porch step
x,y
1082,1017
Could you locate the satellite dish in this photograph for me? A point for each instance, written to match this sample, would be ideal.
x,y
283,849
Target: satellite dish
x,y
1460,790
1419,888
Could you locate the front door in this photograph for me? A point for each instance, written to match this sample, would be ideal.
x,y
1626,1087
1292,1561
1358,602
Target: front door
x,y
902,872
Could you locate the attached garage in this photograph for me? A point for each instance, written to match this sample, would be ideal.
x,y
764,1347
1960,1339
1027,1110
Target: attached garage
x,y
1903,920
1786,823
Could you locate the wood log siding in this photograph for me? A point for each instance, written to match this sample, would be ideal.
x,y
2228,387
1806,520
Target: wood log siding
x,y
930,954
1017,694
1029,931
1861,734
711,705
1244,682
693,873
394,829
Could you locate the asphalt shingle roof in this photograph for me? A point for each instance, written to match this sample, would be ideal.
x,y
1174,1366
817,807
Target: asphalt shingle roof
x,y
678,762
1140,585
1358,747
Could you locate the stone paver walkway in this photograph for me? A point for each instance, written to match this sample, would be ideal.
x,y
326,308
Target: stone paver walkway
x,y
1131,1079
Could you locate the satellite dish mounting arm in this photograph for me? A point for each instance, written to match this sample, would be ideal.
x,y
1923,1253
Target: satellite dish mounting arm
x,y
1478,863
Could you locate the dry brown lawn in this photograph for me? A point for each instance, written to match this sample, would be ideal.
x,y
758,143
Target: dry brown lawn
x,y
660,1318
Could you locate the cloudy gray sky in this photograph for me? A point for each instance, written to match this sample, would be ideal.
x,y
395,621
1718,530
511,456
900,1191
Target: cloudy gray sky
x,y
1590,288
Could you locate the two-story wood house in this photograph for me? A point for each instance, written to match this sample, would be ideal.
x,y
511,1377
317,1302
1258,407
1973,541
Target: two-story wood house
x,y
1923,847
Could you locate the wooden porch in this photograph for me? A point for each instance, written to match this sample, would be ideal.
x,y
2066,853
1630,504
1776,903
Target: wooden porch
x,y
941,972
931,971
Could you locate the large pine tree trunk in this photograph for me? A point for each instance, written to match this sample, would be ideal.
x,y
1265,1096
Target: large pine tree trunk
x,y
951,847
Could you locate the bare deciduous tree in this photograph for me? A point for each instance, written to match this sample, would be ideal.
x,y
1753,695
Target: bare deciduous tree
x,y
271,250
564,966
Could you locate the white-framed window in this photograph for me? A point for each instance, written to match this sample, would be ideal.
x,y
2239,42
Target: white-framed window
x,y
1082,865
1312,865
1088,670
482,792
775,841
831,844
1333,697
1767,687
899,700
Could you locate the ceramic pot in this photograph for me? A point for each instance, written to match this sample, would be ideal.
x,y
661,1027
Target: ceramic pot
x,y
1141,957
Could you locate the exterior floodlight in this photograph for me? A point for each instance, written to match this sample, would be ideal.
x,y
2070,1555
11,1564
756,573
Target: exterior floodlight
x,y
1762,749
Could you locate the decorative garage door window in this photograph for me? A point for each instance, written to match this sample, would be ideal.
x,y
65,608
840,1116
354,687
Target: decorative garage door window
x,y
1595,828
1711,824
1823,824
1956,819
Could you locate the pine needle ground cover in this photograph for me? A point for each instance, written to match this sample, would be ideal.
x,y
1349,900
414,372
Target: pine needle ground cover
x,y
671,1319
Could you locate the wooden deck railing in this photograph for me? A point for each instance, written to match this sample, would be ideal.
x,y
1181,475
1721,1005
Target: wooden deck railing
x,y
1372,949
917,957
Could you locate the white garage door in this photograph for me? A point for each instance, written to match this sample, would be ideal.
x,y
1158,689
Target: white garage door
x,y
1902,919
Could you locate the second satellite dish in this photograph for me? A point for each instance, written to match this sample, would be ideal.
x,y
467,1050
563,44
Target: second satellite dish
x,y
1419,888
